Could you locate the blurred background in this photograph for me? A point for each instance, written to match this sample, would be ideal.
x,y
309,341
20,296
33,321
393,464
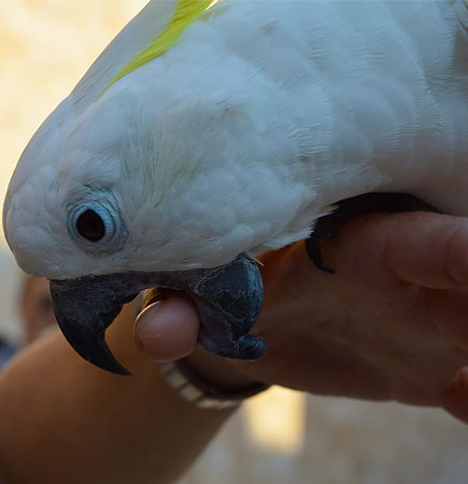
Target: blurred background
x,y
280,436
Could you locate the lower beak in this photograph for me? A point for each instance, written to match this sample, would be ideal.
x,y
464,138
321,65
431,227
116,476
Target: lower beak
x,y
228,299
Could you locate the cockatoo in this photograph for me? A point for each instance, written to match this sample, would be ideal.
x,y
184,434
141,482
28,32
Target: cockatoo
x,y
209,132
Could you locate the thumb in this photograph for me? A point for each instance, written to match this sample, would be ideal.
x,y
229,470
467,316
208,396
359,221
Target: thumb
x,y
167,329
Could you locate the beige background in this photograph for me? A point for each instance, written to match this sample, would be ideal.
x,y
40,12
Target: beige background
x,y
45,46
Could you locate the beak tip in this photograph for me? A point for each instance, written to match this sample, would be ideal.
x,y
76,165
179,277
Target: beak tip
x,y
108,363
114,367
93,348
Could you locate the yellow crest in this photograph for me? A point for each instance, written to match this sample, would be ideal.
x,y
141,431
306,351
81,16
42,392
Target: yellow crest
x,y
187,12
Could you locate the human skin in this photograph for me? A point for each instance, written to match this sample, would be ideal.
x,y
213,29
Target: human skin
x,y
64,420
35,307
390,324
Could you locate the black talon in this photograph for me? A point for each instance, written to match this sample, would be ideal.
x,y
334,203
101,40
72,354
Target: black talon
x,y
315,254
327,226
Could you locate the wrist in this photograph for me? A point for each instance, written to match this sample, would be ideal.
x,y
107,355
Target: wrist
x,y
209,381
217,370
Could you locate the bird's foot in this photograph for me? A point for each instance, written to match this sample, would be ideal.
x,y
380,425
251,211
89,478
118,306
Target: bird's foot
x,y
327,226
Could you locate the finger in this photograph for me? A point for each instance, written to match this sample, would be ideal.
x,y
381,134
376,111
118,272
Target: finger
x,y
167,330
336,370
427,249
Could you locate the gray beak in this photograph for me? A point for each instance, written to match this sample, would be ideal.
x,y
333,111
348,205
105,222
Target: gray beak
x,y
228,299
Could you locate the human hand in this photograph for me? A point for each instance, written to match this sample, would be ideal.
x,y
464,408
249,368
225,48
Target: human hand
x,y
389,325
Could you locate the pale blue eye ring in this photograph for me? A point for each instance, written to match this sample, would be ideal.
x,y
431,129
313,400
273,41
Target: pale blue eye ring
x,y
97,226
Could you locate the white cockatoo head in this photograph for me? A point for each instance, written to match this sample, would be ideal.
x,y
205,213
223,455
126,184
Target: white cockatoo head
x,y
147,169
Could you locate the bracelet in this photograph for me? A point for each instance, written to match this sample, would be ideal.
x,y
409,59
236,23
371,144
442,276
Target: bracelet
x,y
196,390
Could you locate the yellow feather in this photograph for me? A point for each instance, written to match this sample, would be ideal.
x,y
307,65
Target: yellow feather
x,y
187,12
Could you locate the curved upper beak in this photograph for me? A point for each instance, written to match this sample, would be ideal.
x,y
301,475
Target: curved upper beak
x,y
228,298
84,309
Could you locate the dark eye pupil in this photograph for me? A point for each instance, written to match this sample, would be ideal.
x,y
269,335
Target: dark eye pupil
x,y
90,226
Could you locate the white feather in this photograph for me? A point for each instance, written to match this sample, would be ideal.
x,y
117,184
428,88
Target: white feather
x,y
239,137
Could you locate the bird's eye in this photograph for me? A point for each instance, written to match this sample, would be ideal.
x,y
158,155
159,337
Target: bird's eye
x,y
91,226
97,225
